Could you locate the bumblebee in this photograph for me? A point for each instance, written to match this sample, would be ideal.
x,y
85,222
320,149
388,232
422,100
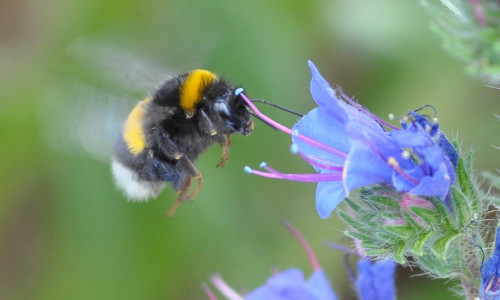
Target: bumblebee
x,y
165,133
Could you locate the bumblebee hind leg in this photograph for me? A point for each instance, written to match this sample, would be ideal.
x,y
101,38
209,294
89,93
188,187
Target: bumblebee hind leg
x,y
183,186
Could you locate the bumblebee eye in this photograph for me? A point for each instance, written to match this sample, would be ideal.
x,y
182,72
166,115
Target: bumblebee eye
x,y
222,107
226,113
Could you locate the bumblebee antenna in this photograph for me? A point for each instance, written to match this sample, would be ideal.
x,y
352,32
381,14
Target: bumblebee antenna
x,y
240,90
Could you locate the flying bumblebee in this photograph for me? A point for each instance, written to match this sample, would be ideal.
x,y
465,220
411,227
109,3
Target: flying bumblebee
x,y
164,134
159,138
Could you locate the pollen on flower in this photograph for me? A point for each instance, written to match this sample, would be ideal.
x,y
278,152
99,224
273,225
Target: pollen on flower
x,y
393,163
405,154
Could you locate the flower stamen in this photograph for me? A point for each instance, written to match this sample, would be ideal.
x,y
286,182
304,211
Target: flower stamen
x,y
287,130
310,253
393,163
272,173
316,160
208,292
224,288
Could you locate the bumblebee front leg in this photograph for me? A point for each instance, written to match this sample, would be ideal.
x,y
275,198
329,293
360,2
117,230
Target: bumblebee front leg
x,y
225,150
183,190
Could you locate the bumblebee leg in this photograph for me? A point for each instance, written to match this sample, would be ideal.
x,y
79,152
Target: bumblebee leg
x,y
183,191
181,197
165,143
206,123
225,150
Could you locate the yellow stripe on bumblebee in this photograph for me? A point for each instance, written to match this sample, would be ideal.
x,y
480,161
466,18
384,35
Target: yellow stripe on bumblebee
x,y
192,89
133,131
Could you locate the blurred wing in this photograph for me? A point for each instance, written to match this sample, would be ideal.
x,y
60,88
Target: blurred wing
x,y
109,65
80,119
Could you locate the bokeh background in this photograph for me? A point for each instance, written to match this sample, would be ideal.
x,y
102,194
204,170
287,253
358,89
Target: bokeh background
x,y
65,233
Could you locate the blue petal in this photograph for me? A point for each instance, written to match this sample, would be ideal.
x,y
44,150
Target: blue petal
x,y
320,126
432,155
291,285
319,283
324,95
376,281
364,167
448,148
490,271
328,196
437,185
411,138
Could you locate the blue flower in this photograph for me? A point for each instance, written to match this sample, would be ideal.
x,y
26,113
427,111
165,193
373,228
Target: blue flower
x,y
349,148
291,285
376,280
286,285
490,273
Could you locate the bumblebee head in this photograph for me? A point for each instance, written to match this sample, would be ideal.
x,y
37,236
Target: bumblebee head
x,y
233,111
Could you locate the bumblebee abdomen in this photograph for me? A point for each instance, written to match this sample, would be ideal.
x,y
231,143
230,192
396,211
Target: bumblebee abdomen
x,y
133,131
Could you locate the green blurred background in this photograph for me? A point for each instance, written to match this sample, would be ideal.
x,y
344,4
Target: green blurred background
x,y
65,233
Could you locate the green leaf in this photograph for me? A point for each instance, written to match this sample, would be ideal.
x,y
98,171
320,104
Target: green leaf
x,y
443,216
351,222
418,245
385,201
399,254
462,209
356,235
353,205
427,215
410,220
377,252
440,247
401,231
434,265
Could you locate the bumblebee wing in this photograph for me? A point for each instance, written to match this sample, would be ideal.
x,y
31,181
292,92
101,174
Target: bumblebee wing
x,y
77,118
109,65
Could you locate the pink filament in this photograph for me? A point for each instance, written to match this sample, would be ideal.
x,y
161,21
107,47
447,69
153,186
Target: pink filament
x,y
287,130
403,174
225,289
209,293
316,177
310,253
321,163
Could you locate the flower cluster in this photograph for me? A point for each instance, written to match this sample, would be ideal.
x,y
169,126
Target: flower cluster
x,y
349,147
419,201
